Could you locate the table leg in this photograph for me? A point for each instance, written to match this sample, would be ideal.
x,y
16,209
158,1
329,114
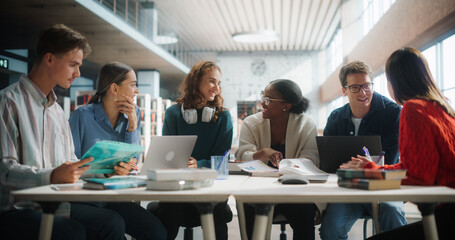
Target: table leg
x,y
241,218
428,220
261,220
269,223
47,219
375,209
207,221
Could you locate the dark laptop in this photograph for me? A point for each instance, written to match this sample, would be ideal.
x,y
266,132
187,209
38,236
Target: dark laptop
x,y
335,150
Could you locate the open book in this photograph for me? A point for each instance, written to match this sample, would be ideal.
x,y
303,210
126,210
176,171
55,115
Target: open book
x,y
293,166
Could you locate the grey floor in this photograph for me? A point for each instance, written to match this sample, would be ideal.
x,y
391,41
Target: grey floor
x,y
412,214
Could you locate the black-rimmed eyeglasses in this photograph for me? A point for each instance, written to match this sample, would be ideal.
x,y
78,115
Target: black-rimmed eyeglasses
x,y
355,88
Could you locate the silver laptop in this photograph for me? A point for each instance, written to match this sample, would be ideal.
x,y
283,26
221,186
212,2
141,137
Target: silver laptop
x,y
169,152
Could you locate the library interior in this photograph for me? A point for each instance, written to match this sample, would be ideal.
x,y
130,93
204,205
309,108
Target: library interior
x,y
251,43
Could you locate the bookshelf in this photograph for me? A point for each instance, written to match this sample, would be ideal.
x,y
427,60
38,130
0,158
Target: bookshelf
x,y
82,98
152,117
143,102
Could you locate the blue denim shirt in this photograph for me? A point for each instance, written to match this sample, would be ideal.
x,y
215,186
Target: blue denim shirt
x,y
382,119
90,124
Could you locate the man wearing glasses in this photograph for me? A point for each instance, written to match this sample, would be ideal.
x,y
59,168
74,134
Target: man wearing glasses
x,y
367,113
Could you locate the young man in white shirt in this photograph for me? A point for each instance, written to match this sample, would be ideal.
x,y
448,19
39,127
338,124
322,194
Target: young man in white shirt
x,y
36,146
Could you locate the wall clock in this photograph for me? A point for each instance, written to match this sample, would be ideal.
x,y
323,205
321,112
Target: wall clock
x,y
258,67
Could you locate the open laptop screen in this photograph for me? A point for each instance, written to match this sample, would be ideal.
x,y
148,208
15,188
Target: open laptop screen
x,y
169,152
336,150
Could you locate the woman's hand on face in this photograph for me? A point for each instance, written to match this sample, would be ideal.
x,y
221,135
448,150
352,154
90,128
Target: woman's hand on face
x,y
124,168
192,163
355,163
127,107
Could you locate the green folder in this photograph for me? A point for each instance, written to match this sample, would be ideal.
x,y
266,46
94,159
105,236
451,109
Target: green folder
x,y
108,154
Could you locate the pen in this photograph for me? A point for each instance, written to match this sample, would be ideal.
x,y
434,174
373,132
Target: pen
x,y
367,153
224,157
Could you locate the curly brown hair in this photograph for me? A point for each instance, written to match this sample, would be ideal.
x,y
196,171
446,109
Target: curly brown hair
x,y
191,97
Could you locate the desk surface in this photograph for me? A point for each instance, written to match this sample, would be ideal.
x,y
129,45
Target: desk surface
x,y
269,190
246,189
219,192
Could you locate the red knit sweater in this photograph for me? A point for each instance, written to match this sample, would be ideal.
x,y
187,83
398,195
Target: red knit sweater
x,y
426,143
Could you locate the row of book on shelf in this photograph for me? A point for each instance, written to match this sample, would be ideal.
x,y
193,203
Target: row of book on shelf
x,y
153,131
152,117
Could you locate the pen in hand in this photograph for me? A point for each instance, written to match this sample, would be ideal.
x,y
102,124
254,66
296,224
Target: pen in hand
x,y
367,153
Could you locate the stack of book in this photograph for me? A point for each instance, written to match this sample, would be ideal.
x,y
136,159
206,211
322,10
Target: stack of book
x,y
118,182
370,179
179,179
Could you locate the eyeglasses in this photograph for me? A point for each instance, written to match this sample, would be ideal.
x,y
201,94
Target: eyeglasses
x,y
355,88
267,100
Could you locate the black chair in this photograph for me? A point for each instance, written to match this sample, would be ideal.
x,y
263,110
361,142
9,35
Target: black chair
x,y
188,231
282,221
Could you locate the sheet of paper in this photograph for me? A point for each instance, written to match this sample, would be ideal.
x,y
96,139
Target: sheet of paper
x,y
256,166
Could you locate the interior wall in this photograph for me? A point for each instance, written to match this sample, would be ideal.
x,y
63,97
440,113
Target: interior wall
x,y
246,74
414,23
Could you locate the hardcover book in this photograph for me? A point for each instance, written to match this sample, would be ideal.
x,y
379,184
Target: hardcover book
x,y
114,183
107,154
175,174
371,173
369,184
304,167
178,185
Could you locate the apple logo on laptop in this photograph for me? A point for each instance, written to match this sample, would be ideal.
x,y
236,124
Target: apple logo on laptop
x,y
170,155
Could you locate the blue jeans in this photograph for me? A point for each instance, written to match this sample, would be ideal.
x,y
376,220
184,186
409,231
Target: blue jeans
x,y
112,220
339,218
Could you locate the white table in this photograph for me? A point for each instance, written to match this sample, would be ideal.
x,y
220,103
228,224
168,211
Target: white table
x,y
269,191
204,197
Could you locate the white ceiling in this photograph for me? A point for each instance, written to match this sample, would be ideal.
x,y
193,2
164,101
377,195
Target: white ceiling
x,y
208,25
204,27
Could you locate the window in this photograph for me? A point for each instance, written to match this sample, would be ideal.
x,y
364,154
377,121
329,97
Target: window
x,y
440,61
334,52
373,11
380,85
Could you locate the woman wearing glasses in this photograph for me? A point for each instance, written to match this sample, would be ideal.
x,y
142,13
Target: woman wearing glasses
x,y
281,130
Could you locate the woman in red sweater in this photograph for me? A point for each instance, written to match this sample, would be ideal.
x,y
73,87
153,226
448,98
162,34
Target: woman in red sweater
x,y
426,137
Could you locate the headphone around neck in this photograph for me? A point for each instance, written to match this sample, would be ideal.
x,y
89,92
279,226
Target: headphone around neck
x,y
190,115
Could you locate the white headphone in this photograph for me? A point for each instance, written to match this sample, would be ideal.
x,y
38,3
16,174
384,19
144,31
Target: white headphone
x,y
190,115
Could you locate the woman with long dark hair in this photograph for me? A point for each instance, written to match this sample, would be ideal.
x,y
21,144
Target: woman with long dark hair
x,y
111,114
426,137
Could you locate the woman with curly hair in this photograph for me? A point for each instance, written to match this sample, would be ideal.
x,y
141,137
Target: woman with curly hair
x,y
198,112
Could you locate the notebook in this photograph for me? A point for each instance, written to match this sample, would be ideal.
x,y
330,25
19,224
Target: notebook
x,y
168,152
336,150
